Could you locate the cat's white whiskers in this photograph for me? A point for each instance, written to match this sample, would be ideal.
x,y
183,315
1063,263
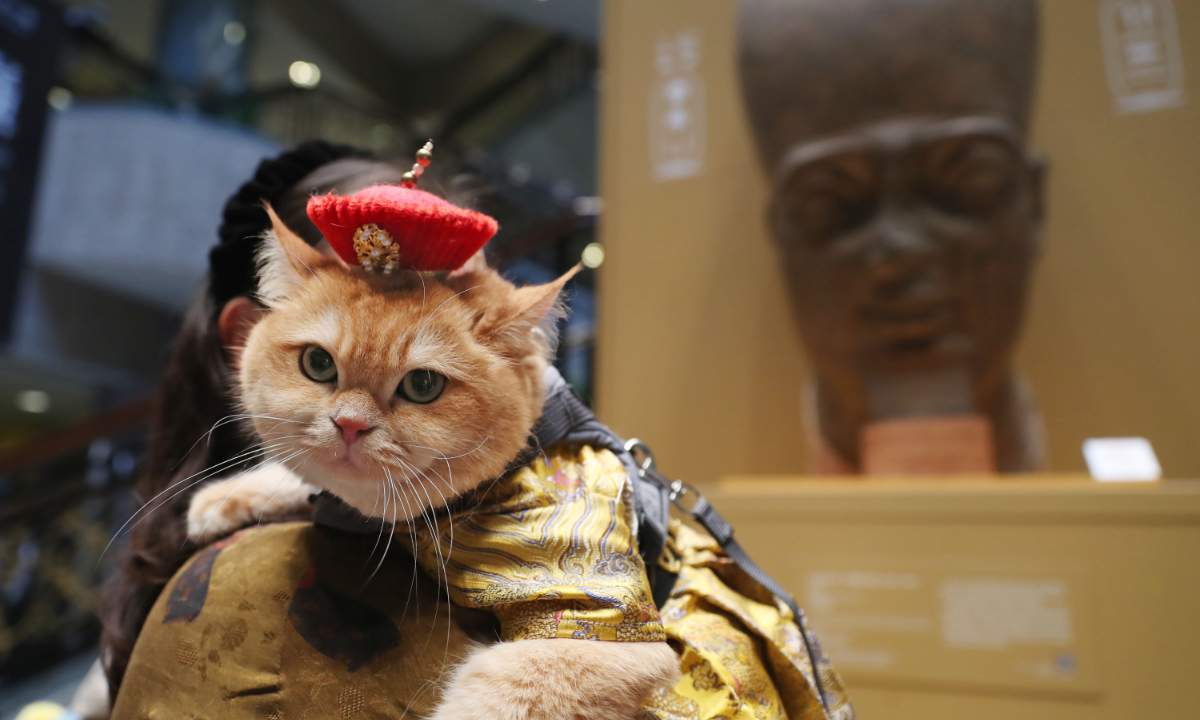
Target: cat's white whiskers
x,y
149,506
395,516
421,474
376,505
412,535
225,421
265,435
434,682
450,471
443,579
247,478
281,422
423,293
387,499
388,544
306,453
449,486
465,512
449,552
267,504
435,537
442,455
444,499
271,499
382,520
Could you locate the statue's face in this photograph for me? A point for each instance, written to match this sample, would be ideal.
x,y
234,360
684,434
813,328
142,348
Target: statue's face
x,y
908,245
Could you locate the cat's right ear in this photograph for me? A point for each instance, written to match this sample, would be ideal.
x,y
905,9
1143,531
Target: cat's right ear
x,y
476,263
285,261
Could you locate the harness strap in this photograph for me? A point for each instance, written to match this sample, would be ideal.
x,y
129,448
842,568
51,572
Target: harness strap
x,y
707,516
722,531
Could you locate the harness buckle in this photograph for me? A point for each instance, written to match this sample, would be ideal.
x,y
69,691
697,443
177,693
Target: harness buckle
x,y
647,468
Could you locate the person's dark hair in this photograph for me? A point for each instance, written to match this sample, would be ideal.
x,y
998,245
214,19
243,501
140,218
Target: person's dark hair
x,y
193,432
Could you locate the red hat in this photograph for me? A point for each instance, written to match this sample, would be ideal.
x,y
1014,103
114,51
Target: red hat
x,y
387,227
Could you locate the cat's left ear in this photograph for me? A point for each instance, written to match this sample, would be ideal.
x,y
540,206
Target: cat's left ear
x,y
286,261
537,303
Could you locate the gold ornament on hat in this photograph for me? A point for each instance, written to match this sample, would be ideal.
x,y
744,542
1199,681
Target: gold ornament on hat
x,y
424,157
376,250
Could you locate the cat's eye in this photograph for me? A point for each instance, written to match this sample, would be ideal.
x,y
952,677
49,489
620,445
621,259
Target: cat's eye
x,y
317,364
422,386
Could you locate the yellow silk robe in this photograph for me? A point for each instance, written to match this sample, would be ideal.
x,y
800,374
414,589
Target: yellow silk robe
x,y
288,627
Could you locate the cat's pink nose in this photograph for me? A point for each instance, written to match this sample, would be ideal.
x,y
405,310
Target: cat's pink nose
x,y
352,428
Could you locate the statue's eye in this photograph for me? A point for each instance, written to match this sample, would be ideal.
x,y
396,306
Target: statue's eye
x,y
975,178
422,386
317,364
832,196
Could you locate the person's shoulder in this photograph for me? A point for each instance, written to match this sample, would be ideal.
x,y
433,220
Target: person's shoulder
x,y
256,539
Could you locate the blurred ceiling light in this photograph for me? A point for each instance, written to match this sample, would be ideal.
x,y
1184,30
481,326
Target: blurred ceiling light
x,y
33,401
235,32
59,98
519,173
304,74
593,255
382,134
587,205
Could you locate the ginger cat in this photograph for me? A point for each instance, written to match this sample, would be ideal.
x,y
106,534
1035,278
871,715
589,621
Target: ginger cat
x,y
355,376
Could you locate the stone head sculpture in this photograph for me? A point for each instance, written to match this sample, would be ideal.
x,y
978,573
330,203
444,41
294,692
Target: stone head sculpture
x,y
905,206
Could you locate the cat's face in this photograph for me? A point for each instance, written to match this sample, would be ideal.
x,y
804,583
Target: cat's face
x,y
394,393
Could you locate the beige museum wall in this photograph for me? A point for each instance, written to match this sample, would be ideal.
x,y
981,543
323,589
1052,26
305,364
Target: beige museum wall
x,y
697,354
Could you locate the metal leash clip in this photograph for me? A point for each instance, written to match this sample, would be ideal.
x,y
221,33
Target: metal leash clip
x,y
676,489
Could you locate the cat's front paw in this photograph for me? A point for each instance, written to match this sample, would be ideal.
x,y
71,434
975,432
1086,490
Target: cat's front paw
x,y
267,493
559,679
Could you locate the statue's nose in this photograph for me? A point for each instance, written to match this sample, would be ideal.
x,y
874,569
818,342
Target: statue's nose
x,y
900,245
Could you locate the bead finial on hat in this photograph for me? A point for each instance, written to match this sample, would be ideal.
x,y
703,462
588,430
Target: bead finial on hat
x,y
424,157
